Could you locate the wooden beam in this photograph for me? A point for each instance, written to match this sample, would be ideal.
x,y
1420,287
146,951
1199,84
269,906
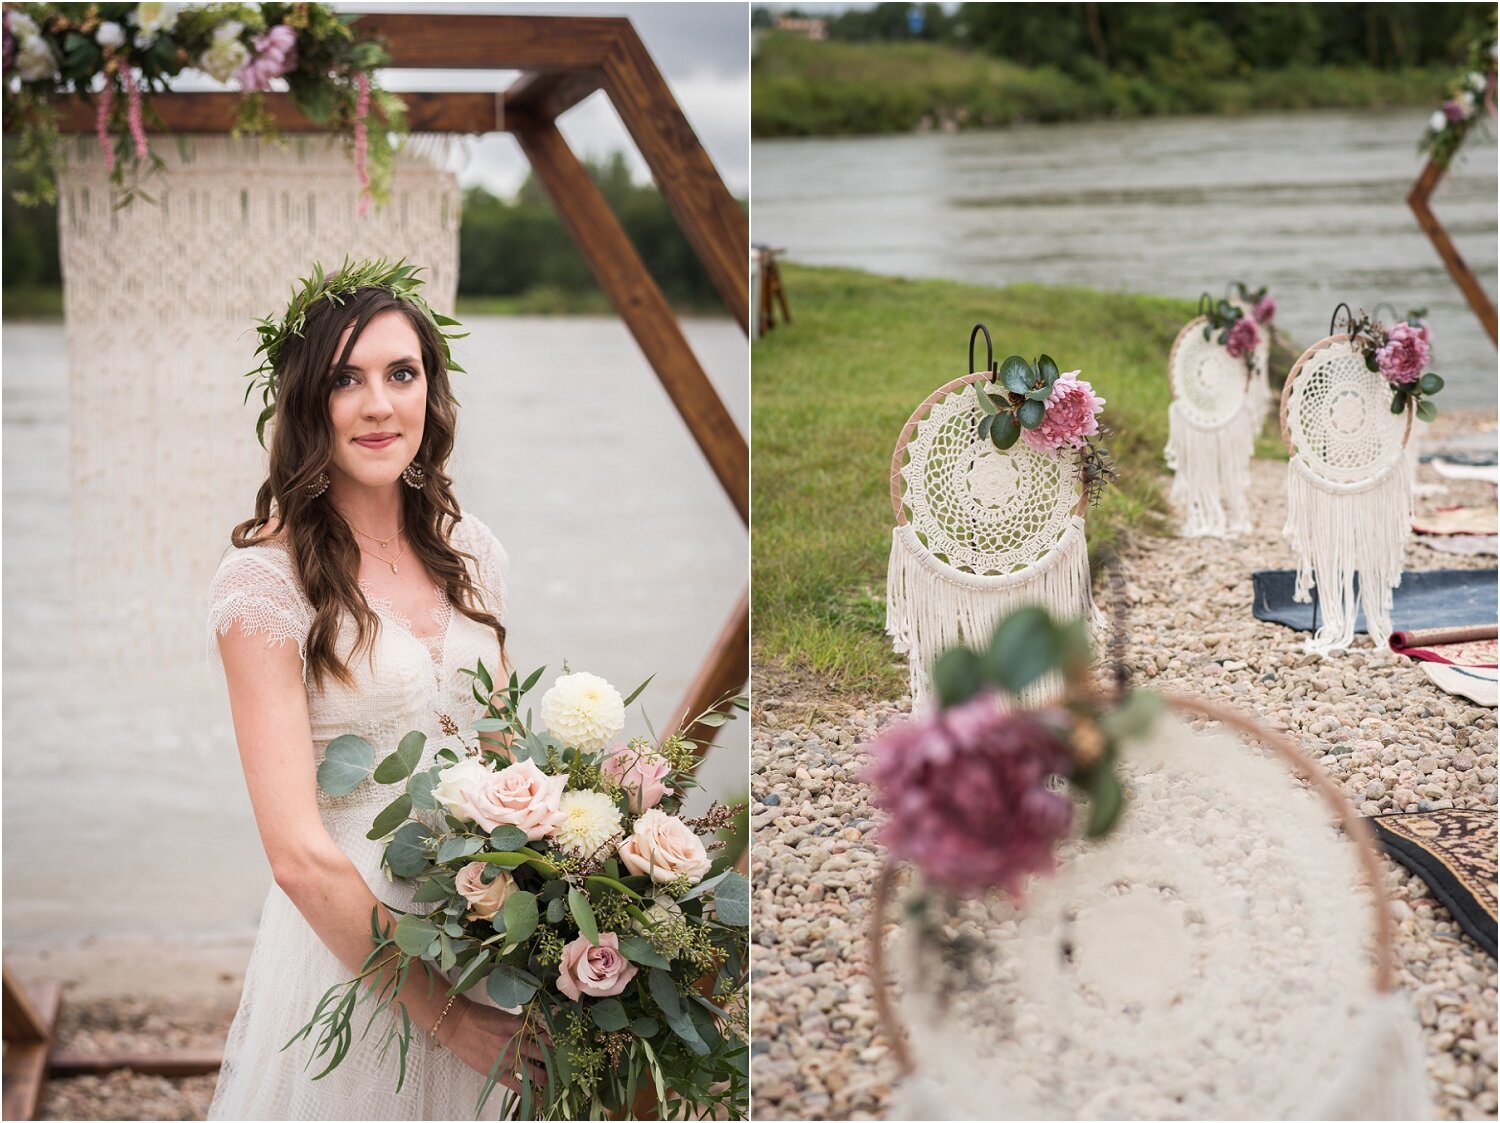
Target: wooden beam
x,y
551,94
185,1062
716,227
625,280
216,112
25,1064
1419,200
22,1020
484,42
727,668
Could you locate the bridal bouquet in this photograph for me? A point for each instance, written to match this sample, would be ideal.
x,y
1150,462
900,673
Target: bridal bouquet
x,y
554,873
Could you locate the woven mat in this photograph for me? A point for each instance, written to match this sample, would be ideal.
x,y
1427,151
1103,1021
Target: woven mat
x,y
1432,598
1453,851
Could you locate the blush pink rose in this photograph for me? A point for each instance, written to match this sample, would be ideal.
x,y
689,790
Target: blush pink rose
x,y
1405,353
1072,414
275,55
484,900
1244,337
665,848
519,795
640,773
595,971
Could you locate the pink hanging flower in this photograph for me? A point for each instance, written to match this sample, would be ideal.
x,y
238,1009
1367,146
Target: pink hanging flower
x,y
275,55
1453,111
1405,353
1265,309
1244,337
101,126
966,792
133,113
1072,414
362,141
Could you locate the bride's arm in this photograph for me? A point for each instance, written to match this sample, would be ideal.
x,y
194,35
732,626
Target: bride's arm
x,y
271,725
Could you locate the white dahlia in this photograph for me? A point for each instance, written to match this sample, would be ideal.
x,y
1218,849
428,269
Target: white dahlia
x,y
583,711
590,819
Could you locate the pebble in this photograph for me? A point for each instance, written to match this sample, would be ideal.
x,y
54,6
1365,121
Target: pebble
x,y
1370,718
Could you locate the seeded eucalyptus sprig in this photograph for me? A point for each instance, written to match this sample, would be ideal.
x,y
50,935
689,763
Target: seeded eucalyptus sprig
x,y
1021,402
400,280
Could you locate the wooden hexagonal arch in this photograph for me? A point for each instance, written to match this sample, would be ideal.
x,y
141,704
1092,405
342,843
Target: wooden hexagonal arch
x,y
562,60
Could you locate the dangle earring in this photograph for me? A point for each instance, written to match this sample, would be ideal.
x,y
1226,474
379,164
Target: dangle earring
x,y
318,486
413,476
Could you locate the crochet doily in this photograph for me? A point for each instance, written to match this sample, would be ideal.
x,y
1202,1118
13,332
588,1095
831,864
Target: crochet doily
x,y
1339,417
1207,381
981,510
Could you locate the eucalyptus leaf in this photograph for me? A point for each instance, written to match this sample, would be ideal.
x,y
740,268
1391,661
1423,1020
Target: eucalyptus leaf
x,y
419,787
414,934
638,949
1398,401
404,853
1430,383
459,846
1047,368
986,403
510,986
732,901
346,763
507,838
583,916
636,693
1004,431
556,910
1025,646
533,678
1426,411
609,1015
1016,374
1106,800
403,762
983,429
432,891
1134,717
491,725
1031,413
476,969
520,914
957,676
645,1027
391,817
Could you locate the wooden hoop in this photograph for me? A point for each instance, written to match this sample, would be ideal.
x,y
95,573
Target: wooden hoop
x,y
911,427
1356,826
1286,392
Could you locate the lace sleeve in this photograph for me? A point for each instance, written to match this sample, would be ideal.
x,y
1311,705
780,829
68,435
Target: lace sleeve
x,y
256,588
473,537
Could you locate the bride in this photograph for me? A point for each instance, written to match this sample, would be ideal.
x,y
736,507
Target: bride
x,y
348,605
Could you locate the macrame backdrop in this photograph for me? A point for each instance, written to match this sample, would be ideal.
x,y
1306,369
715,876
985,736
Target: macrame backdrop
x,y
1209,959
1349,491
160,304
1211,427
984,532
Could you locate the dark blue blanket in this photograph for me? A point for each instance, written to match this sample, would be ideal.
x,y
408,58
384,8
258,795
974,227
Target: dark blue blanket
x,y
1434,598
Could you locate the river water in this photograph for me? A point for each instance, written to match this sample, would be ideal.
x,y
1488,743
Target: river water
x,y
1310,204
127,818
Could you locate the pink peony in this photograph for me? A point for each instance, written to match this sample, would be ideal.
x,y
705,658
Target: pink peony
x,y
1264,310
1453,111
640,773
595,971
1244,337
1405,353
520,795
275,55
966,792
1072,414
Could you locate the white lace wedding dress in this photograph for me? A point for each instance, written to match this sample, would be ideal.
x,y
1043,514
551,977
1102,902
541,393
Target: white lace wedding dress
x,y
410,682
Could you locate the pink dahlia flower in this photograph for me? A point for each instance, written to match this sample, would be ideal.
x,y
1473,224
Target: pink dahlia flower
x,y
1072,414
1405,353
275,55
1244,337
967,798
1264,310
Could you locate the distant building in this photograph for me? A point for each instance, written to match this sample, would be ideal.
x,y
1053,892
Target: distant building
x,y
815,29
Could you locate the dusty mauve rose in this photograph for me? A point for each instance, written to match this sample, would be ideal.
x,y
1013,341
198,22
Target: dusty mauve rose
x,y
275,55
967,797
1453,110
665,848
595,971
1244,337
640,772
1072,414
1264,310
1405,353
519,795
484,900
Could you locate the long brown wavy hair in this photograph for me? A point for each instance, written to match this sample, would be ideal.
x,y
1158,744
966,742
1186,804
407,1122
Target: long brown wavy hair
x,y
325,554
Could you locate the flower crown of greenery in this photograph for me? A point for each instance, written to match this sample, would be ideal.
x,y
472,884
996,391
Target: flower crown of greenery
x,y
400,280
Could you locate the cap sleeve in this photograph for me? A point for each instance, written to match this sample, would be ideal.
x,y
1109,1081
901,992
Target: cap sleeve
x,y
491,563
256,588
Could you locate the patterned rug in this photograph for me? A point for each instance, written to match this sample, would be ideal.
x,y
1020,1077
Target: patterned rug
x,y
1453,851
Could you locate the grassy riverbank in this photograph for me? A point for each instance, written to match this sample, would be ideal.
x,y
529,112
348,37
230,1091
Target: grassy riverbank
x,y
803,88
830,394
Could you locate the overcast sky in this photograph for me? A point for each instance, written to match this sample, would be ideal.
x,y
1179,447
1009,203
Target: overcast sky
x,y
703,51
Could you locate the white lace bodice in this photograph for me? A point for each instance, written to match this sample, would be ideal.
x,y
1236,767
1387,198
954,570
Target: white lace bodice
x,y
406,684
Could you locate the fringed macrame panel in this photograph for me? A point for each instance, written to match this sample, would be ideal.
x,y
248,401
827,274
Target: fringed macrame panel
x,y
161,302
980,533
1349,492
1210,959
1210,435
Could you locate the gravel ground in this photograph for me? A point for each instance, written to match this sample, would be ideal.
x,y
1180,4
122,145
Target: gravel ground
x,y
1371,718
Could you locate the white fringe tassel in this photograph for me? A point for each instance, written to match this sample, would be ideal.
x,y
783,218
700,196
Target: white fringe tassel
x,y
930,606
1212,468
1339,530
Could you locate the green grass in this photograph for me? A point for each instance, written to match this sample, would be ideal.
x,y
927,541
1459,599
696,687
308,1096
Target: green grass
x,y
830,394
802,88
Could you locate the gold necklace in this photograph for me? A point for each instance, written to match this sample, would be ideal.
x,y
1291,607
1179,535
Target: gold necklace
x,y
384,543
385,559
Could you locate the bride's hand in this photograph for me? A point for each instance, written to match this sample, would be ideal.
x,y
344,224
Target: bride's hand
x,y
480,1033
